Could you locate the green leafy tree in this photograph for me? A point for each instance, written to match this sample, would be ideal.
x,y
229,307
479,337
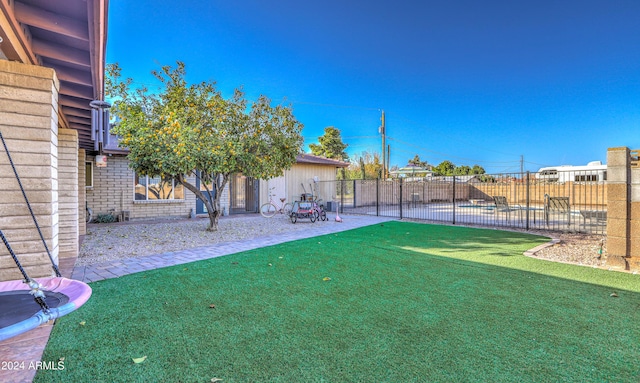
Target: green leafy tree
x,y
185,130
477,169
330,145
462,170
445,168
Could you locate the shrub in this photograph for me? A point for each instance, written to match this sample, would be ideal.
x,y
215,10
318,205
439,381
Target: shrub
x,y
105,218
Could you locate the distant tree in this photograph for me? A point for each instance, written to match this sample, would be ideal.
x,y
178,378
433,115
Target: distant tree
x,y
477,169
466,170
445,168
487,178
371,164
187,130
330,145
462,170
416,161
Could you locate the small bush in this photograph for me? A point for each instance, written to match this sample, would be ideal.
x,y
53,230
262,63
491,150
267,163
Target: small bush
x,y
105,218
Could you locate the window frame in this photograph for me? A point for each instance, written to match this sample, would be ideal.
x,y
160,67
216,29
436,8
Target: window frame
x,y
146,190
88,168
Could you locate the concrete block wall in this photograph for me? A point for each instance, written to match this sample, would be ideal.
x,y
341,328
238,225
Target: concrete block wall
x,y
623,214
634,214
29,124
68,192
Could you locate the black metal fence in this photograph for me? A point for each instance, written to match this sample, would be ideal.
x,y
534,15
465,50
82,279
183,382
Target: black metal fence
x,y
517,200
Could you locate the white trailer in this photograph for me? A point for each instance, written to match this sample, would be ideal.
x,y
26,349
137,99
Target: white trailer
x,y
594,171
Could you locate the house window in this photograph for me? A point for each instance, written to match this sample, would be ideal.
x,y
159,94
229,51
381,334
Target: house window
x,y
586,178
88,174
156,188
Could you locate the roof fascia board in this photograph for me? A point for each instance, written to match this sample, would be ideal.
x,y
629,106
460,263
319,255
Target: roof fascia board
x,y
15,44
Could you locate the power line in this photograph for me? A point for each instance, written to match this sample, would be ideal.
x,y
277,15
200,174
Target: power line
x,y
436,131
450,155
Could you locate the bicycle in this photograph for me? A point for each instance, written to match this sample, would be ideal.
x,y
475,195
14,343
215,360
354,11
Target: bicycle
x,y
318,203
320,213
269,209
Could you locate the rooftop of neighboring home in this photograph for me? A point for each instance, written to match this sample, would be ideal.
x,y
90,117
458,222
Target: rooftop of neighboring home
x,y
304,158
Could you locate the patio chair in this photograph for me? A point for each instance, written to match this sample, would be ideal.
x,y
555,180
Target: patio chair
x,y
502,206
594,218
557,206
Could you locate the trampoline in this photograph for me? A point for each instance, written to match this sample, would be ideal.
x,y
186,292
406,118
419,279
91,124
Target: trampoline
x,y
19,312
28,303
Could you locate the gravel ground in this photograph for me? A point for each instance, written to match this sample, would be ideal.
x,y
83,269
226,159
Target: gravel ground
x,y
580,249
108,242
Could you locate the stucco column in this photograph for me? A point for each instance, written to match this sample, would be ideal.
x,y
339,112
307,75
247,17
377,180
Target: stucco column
x,y
618,207
634,222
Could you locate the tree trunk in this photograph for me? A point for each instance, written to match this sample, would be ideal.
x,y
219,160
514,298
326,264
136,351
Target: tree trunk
x,y
213,207
214,214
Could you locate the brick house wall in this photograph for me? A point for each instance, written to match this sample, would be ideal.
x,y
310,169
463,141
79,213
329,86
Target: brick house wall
x,y
113,190
82,193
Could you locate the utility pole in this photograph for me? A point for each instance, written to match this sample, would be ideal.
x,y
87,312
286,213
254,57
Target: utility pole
x,y
388,157
522,164
384,146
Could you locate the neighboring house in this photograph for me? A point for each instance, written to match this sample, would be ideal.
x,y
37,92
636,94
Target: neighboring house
x,y
310,174
412,172
52,60
116,188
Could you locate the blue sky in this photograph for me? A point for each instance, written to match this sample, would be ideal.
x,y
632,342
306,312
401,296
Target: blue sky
x,y
473,82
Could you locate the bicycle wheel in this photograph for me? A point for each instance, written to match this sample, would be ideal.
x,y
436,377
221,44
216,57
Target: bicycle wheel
x,y
323,215
89,215
313,216
287,208
294,217
268,210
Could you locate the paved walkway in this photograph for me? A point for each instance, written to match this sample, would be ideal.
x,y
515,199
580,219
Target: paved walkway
x,y
120,267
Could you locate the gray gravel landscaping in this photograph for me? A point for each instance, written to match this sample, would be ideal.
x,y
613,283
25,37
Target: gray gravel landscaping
x,y
108,242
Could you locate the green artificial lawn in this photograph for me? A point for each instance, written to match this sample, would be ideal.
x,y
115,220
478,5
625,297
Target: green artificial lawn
x,y
394,302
